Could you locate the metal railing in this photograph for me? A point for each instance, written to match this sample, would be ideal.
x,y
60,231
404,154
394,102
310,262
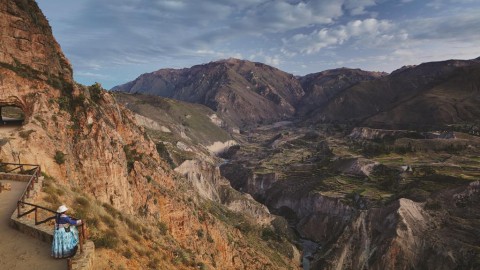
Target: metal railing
x,y
35,171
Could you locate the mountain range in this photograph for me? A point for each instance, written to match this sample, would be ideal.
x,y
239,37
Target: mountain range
x,y
247,93
222,184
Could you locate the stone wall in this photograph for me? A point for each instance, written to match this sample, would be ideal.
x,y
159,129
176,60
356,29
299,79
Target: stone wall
x,y
84,260
28,227
15,177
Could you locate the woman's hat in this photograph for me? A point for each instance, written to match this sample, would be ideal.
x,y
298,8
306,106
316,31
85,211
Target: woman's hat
x,y
62,209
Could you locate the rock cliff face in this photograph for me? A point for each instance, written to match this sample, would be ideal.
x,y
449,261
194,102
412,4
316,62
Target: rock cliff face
x,y
407,235
90,146
211,185
386,238
28,44
320,218
245,180
315,216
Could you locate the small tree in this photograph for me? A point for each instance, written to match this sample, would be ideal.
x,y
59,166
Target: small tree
x,y
59,157
95,91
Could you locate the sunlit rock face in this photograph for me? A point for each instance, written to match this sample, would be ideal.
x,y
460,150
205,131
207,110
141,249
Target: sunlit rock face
x,y
89,144
27,41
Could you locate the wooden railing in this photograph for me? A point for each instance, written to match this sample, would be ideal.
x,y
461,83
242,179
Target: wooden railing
x,y
22,204
35,171
36,208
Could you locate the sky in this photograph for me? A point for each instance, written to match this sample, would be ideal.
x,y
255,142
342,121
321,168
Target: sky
x,y
114,41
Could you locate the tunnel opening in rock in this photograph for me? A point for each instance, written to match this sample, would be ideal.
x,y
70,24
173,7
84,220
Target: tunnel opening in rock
x,y
11,115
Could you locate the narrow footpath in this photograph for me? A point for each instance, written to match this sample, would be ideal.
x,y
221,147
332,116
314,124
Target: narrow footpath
x,y
17,250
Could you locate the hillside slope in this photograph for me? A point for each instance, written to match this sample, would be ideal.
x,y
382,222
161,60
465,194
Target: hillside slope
x,y
321,87
428,95
96,159
243,92
184,130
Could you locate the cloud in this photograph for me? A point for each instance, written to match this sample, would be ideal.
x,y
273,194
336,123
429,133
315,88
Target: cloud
x,y
357,7
92,75
438,4
459,27
272,60
135,36
107,28
369,30
279,16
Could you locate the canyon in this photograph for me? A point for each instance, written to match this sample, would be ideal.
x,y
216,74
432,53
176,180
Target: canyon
x,y
238,165
365,167
97,160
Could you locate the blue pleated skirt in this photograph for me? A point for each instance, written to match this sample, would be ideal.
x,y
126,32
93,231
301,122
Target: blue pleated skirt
x,y
64,243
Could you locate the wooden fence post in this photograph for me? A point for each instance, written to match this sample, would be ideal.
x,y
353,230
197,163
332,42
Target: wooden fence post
x,y
81,242
84,229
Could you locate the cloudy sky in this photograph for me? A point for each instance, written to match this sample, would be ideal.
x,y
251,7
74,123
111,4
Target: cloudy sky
x,y
114,41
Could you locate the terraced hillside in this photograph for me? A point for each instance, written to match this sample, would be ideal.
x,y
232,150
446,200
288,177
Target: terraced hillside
x,y
322,178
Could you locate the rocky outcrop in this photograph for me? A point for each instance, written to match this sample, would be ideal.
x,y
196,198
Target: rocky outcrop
x,y
318,217
28,44
385,238
315,217
245,180
211,185
407,235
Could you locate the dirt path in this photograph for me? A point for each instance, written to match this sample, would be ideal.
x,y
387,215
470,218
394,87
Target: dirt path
x,y
17,250
6,129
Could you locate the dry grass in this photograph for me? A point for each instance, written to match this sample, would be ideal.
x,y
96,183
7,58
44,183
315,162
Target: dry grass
x,y
109,228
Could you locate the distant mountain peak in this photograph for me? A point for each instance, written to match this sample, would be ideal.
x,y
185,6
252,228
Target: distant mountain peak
x,y
232,60
244,92
250,93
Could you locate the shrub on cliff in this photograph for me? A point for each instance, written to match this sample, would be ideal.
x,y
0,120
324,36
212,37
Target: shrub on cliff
x,y
59,157
95,91
108,239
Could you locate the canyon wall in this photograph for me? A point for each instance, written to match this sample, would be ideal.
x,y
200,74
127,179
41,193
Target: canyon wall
x,y
90,145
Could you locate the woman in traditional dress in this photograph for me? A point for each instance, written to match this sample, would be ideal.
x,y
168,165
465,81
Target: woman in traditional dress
x,y
65,235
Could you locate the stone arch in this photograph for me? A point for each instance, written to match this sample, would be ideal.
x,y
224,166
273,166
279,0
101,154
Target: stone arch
x,y
13,112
